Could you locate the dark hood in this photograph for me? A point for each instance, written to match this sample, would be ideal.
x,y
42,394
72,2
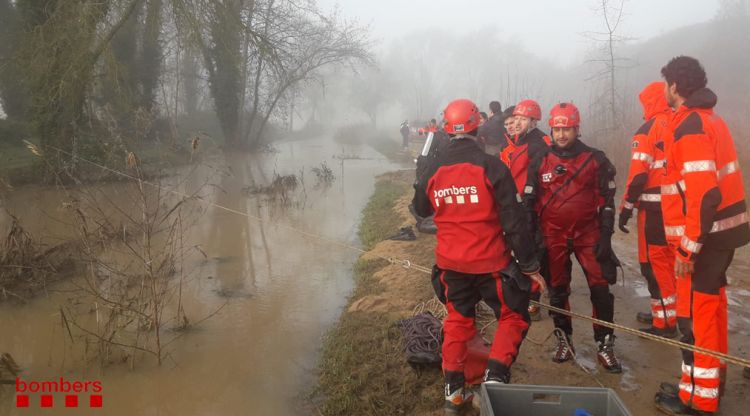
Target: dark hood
x,y
702,98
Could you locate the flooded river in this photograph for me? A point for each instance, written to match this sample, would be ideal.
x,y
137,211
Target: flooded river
x,y
276,291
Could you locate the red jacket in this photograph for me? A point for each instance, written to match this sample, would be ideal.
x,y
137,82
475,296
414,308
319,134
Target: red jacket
x,y
648,161
567,204
477,210
520,151
702,167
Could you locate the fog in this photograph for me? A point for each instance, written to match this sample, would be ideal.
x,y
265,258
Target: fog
x,y
548,51
548,28
249,73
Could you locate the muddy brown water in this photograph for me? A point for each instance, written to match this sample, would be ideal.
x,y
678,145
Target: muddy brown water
x,y
278,292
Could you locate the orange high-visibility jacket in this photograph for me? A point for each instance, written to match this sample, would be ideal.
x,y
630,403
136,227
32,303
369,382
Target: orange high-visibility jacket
x,y
702,165
648,161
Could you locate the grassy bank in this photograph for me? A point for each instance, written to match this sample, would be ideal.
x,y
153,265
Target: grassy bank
x,y
363,370
379,217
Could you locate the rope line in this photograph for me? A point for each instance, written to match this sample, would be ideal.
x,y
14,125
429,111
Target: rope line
x,y
407,264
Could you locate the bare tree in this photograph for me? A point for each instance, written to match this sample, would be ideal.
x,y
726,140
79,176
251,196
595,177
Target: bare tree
x,y
309,44
612,14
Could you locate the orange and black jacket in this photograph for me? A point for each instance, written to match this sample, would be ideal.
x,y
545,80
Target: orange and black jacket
x,y
702,167
520,151
648,161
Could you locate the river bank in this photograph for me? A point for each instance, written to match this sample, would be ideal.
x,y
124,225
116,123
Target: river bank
x,y
363,368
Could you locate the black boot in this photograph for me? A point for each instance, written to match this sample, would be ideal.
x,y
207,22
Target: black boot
x,y
457,396
564,351
644,317
672,405
606,355
496,372
669,332
669,389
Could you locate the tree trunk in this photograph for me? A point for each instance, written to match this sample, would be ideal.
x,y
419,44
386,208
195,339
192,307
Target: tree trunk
x,y
151,55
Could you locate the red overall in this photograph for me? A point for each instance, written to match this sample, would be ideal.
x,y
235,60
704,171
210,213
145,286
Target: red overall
x,y
480,221
569,189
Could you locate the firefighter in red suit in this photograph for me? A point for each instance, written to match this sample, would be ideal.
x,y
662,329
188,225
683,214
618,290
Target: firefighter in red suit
x,y
526,142
570,198
480,221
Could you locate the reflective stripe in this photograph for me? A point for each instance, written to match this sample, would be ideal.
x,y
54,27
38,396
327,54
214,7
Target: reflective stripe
x,y
644,157
669,300
699,166
682,185
729,168
669,189
628,205
730,222
674,230
660,314
699,372
650,197
690,245
700,391
659,164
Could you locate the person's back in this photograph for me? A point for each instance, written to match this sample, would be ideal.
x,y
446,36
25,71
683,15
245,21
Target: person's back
x,y
480,221
492,132
469,237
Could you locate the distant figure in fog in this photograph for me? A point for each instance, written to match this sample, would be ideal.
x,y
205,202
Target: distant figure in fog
x,y
405,134
492,133
483,118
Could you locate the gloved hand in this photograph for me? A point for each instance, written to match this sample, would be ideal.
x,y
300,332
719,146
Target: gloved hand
x,y
603,249
622,222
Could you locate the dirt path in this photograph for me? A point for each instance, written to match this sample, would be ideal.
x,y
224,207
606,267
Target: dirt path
x,y
646,363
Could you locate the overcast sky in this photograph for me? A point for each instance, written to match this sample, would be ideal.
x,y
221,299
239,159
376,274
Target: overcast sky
x,y
549,28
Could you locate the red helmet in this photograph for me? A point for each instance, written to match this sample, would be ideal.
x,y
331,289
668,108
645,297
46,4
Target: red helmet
x,y
460,116
564,115
528,108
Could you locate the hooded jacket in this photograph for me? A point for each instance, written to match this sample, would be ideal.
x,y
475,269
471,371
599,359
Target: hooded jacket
x,y
648,160
702,168
493,131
